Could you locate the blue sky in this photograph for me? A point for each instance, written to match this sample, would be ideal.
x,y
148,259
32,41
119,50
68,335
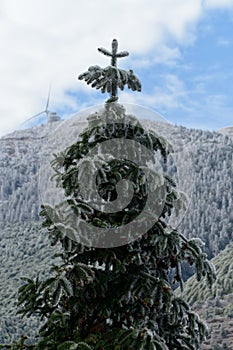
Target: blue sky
x,y
181,50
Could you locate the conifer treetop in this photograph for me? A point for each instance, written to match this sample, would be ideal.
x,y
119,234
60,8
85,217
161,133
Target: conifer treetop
x,y
114,53
111,78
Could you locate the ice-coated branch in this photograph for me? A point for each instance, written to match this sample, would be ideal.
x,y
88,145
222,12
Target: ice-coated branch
x,y
111,78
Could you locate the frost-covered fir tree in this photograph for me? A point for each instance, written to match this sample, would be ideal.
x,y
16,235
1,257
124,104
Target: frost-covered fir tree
x,y
115,296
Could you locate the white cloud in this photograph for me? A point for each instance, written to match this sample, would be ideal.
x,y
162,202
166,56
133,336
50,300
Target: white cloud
x,y
172,95
43,41
55,40
195,107
218,3
223,42
162,55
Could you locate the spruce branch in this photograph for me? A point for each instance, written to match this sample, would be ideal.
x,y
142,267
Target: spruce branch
x,y
110,79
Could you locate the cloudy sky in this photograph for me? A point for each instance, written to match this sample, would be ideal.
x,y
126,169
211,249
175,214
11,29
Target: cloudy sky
x,y
182,51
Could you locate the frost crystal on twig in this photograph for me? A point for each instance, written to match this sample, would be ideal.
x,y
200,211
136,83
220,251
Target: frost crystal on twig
x,y
111,78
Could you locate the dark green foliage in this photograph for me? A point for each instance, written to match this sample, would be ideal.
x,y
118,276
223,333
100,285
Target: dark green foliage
x,y
215,304
111,78
25,251
197,293
117,298
209,216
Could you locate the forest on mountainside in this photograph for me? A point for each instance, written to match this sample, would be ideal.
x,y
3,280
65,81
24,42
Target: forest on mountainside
x,y
209,215
24,245
215,305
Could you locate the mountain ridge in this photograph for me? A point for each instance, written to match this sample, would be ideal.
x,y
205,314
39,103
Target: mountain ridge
x,y
209,216
210,155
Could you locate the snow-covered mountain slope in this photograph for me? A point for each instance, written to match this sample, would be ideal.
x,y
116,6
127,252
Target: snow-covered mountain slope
x,y
227,131
215,305
204,170
204,160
